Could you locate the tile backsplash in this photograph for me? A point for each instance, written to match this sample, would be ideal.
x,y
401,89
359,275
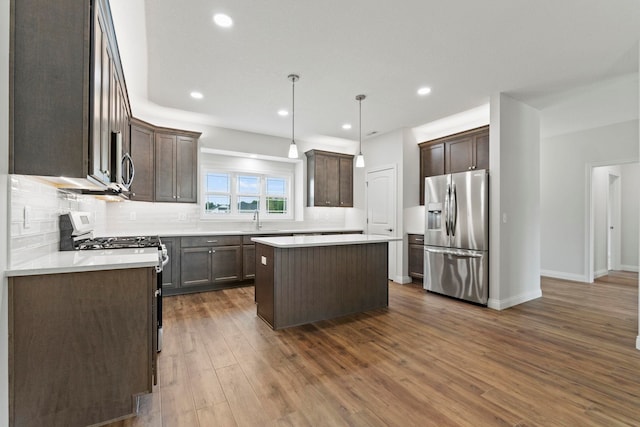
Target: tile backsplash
x,y
35,206
159,218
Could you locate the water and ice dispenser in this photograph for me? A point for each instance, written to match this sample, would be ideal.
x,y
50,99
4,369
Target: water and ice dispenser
x,y
434,216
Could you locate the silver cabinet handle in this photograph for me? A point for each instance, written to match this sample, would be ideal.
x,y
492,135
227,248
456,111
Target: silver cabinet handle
x,y
212,241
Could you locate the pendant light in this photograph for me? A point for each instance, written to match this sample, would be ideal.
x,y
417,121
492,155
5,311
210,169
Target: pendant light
x,y
360,157
293,148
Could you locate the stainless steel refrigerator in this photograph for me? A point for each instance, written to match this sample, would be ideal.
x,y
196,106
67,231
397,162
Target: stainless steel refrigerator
x,y
456,238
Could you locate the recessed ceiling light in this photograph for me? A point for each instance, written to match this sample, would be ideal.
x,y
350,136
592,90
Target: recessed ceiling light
x,y
222,20
346,126
424,91
283,113
253,156
197,95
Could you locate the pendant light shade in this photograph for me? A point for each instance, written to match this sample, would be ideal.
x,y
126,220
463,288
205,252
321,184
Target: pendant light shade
x,y
293,148
360,157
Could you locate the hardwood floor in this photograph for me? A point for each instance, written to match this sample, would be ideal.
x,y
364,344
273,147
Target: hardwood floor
x,y
566,359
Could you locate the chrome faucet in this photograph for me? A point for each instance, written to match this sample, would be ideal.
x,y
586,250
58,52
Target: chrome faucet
x,y
256,218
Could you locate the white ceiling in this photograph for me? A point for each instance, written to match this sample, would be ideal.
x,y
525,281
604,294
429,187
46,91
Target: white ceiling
x,y
465,50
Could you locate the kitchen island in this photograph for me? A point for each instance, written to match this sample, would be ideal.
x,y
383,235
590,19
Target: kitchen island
x,y
304,279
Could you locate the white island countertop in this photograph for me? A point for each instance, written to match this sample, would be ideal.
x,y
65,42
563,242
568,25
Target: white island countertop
x,y
89,260
326,240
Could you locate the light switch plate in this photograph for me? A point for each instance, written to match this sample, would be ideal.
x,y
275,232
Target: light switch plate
x,y
264,260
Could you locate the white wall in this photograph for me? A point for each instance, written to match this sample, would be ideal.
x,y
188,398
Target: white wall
x,y
566,162
630,214
638,234
515,203
386,150
4,169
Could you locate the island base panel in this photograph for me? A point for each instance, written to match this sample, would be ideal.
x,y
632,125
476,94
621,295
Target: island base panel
x,y
300,285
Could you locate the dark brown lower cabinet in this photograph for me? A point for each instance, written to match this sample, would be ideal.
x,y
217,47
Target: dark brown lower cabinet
x,y
416,256
248,261
81,345
214,266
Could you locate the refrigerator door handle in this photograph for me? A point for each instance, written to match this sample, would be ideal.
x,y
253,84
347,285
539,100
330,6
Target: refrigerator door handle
x,y
446,209
454,209
454,252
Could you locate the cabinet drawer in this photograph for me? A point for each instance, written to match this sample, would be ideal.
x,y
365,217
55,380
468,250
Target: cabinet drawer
x,y
195,241
416,239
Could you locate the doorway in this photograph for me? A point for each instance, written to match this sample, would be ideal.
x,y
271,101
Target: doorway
x,y
611,226
613,222
382,203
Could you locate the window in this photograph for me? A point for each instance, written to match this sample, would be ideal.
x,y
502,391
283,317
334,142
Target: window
x,y
239,194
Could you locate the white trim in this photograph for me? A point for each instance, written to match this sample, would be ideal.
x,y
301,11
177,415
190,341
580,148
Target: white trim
x,y
565,276
403,280
638,342
632,268
589,215
600,273
512,301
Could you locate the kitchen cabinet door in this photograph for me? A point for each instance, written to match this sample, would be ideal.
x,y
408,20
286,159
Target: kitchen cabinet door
x,y
186,169
346,182
459,155
176,164
329,179
165,167
416,256
248,261
143,154
431,163
226,262
195,267
171,271
481,152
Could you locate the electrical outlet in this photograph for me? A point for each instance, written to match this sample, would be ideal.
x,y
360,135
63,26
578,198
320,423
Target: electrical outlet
x,y
264,260
182,216
27,217
132,216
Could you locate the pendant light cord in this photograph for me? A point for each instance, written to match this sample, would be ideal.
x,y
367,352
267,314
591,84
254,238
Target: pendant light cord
x,y
293,108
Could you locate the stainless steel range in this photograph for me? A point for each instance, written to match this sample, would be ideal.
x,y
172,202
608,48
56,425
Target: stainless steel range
x,y
76,233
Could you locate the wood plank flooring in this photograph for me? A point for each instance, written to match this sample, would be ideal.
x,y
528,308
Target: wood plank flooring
x,y
566,359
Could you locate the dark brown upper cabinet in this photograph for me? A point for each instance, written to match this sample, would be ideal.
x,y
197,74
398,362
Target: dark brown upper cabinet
x,y
176,160
329,179
460,152
68,94
142,153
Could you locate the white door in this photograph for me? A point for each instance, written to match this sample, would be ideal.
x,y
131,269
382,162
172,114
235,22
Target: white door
x,y
613,223
381,201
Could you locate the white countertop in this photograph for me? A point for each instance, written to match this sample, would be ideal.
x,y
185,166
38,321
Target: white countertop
x,y
252,232
327,240
89,260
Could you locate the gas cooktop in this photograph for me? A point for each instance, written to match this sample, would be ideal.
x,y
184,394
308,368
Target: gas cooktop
x,y
119,242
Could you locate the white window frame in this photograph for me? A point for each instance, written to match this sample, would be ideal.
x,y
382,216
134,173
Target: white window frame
x,y
233,213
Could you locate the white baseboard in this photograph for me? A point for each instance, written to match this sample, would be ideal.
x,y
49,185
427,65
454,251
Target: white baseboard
x,y
510,302
632,268
638,342
600,273
403,280
564,276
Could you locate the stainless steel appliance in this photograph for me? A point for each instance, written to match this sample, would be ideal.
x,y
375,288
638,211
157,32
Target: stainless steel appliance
x,y
76,233
456,238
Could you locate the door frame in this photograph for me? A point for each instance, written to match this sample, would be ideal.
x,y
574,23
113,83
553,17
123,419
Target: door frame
x,y
589,224
395,248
